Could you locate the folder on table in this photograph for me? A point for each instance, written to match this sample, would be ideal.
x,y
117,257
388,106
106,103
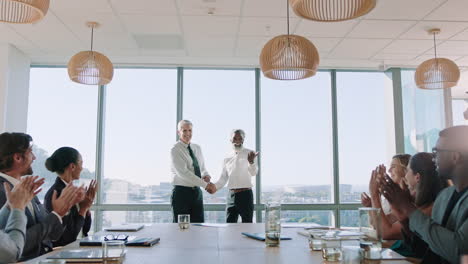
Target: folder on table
x,y
261,236
132,241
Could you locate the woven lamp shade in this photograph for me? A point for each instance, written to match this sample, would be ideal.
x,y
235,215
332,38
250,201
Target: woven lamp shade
x,y
331,10
90,67
23,11
289,57
437,73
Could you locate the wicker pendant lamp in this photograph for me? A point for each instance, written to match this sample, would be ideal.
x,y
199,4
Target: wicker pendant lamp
x,y
23,11
90,67
437,73
289,57
332,10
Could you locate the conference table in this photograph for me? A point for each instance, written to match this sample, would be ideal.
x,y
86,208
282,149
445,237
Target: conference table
x,y
206,245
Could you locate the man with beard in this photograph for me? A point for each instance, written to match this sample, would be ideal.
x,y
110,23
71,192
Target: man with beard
x,y
16,157
239,167
446,231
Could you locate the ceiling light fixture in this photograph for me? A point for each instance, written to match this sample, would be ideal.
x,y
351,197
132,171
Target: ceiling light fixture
x,y
332,10
90,67
289,57
23,11
437,73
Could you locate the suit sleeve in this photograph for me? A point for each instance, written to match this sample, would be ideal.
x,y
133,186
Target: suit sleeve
x,y
87,224
12,239
442,241
73,223
50,228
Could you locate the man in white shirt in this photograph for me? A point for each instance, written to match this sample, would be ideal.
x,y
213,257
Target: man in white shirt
x,y
239,167
189,173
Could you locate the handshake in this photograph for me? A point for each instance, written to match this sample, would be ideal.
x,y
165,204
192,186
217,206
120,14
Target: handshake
x,y
210,188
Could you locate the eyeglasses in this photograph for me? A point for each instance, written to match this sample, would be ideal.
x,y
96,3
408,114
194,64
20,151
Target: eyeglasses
x,y
122,237
435,150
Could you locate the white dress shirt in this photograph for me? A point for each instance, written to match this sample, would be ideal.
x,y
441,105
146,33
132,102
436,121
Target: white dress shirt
x,y
238,170
183,173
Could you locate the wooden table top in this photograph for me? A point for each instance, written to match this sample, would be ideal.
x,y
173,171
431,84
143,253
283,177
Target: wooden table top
x,y
206,245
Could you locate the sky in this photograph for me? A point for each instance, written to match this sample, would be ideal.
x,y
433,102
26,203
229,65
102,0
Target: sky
x,y
296,122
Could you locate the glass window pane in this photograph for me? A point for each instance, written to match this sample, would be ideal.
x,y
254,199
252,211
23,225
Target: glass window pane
x,y
218,101
349,218
113,218
423,114
61,113
139,133
459,107
366,134
215,217
324,218
297,161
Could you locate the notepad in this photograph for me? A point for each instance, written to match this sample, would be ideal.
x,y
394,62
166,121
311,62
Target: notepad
x,y
132,241
211,225
304,225
388,253
125,228
261,236
85,255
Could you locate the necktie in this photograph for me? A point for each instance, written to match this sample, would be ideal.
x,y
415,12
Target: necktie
x,y
196,166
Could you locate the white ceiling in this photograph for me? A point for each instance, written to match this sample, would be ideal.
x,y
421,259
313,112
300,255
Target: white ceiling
x,y
181,32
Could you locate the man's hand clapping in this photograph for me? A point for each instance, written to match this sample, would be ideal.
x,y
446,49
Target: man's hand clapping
x,y
23,192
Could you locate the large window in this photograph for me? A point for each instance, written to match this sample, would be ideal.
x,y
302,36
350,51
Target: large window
x,y
61,113
296,136
140,129
366,134
459,106
423,114
218,101
141,107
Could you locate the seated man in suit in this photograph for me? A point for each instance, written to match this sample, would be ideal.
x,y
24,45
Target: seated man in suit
x,y
446,231
13,220
16,158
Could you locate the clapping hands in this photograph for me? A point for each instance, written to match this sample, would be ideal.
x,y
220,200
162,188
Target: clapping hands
x,y
70,196
399,198
89,195
23,192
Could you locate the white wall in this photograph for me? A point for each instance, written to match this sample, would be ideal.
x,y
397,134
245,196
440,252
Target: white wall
x,y
14,89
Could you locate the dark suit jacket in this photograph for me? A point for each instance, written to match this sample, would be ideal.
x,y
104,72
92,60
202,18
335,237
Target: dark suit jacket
x,y
40,229
73,222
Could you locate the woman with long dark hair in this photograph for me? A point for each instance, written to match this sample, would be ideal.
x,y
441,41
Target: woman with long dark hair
x,y
68,164
423,185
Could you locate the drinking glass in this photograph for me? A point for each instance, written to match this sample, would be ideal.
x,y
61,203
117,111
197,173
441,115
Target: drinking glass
x,y
370,226
331,250
113,251
315,242
184,221
272,224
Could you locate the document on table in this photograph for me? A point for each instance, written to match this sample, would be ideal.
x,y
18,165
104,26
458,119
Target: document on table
x,y
211,225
